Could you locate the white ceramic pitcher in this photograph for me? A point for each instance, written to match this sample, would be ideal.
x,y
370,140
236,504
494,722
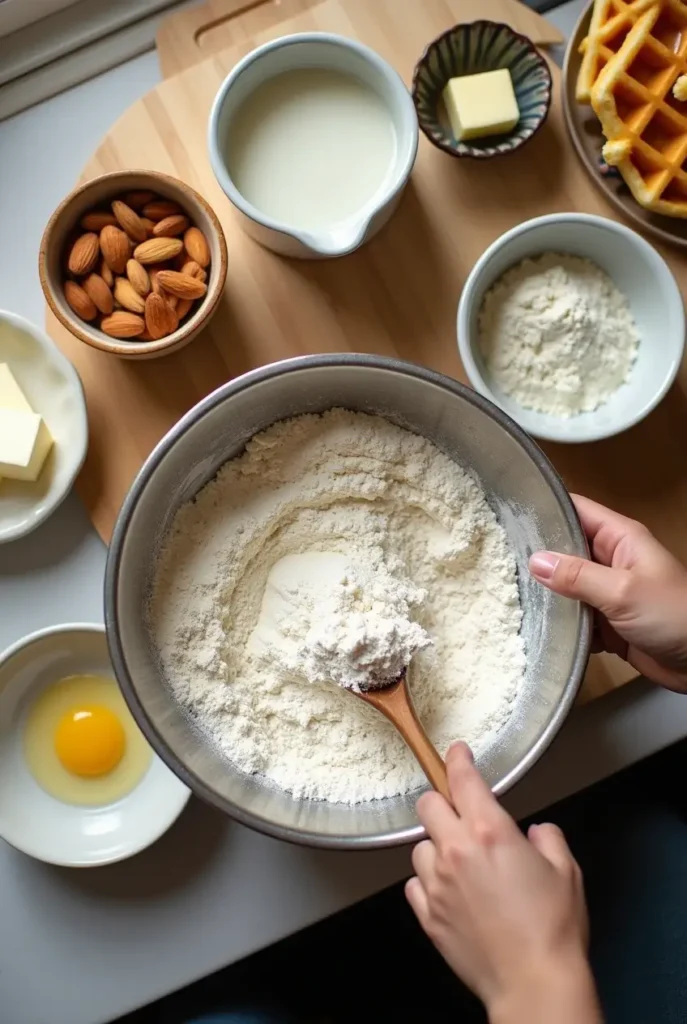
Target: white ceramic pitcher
x,y
315,50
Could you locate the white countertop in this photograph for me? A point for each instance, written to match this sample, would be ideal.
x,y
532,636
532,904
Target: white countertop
x,y
82,947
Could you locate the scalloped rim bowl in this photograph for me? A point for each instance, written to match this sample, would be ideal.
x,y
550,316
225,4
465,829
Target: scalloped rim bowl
x,y
449,56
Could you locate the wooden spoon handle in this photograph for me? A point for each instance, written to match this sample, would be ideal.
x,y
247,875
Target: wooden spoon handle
x,y
429,759
396,704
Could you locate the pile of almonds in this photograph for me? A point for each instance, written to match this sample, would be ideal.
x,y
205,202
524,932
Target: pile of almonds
x,y
139,266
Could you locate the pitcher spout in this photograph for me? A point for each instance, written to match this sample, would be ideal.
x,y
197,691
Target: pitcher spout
x,y
337,241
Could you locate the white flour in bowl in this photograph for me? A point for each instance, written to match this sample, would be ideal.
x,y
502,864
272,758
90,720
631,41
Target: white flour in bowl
x,y
328,618
557,335
315,511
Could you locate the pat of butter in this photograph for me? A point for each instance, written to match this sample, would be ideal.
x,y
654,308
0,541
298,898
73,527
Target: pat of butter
x,y
11,395
24,444
483,104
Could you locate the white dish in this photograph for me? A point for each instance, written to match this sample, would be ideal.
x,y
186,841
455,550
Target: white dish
x,y
30,819
53,389
638,271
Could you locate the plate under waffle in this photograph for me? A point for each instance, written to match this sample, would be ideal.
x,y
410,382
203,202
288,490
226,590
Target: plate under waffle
x,y
634,101
588,139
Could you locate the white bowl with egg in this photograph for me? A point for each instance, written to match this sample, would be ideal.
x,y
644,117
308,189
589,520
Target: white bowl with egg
x,y
69,827
313,138
52,388
637,271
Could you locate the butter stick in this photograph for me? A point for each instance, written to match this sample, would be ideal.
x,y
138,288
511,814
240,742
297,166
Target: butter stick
x,y
479,105
11,395
24,444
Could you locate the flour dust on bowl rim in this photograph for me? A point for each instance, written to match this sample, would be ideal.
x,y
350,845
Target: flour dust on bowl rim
x,y
522,487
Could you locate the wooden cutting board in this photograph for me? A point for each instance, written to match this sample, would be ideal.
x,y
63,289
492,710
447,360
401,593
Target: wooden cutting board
x,y
189,36
396,296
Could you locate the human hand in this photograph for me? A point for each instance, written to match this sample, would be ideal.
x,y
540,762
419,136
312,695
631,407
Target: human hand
x,y
638,589
506,912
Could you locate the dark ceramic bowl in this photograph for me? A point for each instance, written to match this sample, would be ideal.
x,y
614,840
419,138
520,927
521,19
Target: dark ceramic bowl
x,y
469,49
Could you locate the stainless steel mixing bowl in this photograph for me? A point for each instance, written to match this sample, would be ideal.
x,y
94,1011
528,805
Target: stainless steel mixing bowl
x,y
523,489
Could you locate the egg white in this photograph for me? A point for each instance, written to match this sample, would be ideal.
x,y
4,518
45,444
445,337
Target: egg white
x,y
39,743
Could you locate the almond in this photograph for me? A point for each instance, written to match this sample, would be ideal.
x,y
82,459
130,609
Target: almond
x,y
148,225
168,227
122,325
157,250
127,296
182,285
159,316
183,306
115,247
80,301
106,274
155,285
196,246
138,275
66,252
96,220
158,209
194,269
83,255
138,198
100,294
130,221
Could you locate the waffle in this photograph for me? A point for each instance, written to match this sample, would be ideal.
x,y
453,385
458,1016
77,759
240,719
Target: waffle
x,y
644,124
608,29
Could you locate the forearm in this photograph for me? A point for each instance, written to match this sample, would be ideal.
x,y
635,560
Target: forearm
x,y
566,995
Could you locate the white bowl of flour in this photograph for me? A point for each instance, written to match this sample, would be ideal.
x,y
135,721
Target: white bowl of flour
x,y
574,325
266,529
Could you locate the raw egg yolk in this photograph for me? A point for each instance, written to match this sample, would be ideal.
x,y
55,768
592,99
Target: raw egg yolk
x,y
90,741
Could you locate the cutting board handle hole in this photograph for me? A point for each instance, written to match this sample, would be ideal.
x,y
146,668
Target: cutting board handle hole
x,y
237,9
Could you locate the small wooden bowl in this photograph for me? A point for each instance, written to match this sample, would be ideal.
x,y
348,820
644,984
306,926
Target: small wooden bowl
x,y
100,191
468,49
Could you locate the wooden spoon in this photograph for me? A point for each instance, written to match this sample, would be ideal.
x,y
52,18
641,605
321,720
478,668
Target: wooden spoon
x,y
396,704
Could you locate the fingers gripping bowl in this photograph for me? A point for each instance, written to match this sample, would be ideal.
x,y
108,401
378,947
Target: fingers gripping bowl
x,y
522,488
